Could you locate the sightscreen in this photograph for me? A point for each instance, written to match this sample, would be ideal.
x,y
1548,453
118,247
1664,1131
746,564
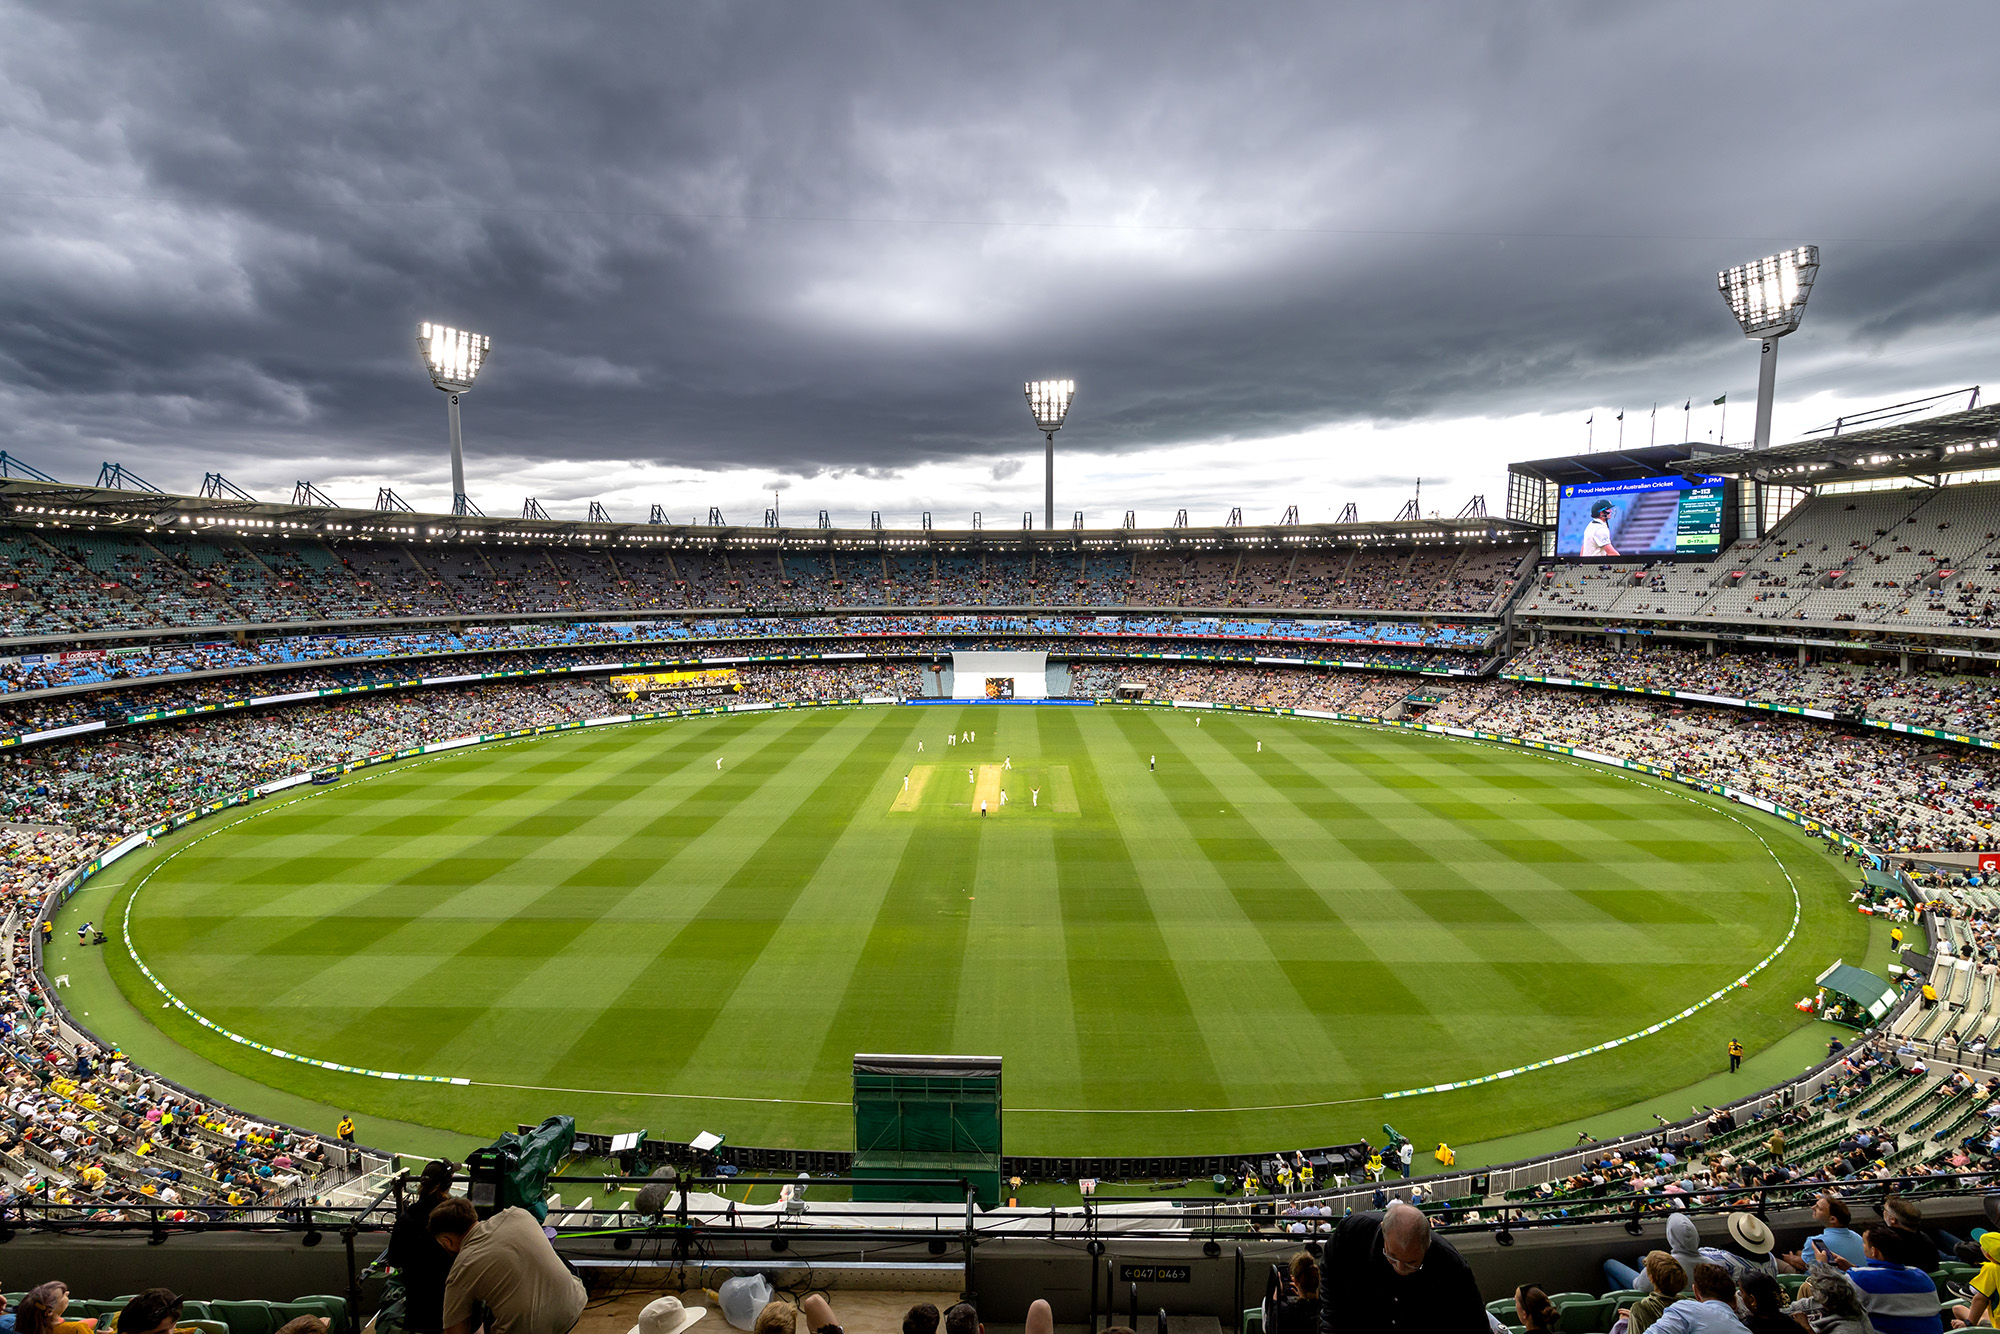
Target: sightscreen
x,y
1642,518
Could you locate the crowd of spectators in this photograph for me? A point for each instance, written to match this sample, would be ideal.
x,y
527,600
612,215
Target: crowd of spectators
x,y
81,1126
1390,642
1895,792
1922,697
1363,693
80,580
119,782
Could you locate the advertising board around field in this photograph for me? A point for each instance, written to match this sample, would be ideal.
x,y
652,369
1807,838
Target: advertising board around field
x,y
1644,518
712,682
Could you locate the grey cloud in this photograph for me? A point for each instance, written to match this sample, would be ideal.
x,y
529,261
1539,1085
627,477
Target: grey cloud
x,y
832,241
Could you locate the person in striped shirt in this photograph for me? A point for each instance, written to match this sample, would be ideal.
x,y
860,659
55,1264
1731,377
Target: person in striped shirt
x,y
1898,1297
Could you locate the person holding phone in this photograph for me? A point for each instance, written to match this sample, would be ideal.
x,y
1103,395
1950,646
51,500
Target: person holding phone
x,y
1836,1237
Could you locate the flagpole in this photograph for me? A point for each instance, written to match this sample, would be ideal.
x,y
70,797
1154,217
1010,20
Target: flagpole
x,y
1722,434
1621,430
1590,434
1687,420
1653,428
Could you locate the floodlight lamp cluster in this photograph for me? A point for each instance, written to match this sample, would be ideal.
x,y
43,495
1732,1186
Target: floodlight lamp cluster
x,y
1049,400
452,356
1768,296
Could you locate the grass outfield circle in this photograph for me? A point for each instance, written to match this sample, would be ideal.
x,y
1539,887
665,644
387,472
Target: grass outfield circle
x,y
1345,912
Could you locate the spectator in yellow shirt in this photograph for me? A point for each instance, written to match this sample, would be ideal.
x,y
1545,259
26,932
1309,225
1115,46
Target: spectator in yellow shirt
x,y
1985,1307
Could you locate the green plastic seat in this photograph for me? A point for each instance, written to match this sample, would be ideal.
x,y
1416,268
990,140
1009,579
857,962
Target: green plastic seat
x,y
1591,1316
1253,1319
205,1326
1504,1306
245,1317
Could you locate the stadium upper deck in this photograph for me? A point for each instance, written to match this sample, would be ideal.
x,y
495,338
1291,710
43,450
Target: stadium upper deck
x,y
1905,561
88,562
82,567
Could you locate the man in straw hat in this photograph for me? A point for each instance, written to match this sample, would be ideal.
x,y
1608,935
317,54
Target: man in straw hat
x,y
1753,1236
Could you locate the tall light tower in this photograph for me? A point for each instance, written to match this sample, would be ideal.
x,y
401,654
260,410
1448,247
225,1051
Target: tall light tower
x,y
1049,400
1768,298
453,357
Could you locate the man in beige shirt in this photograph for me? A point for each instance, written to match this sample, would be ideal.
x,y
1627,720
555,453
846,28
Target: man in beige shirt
x,y
507,1265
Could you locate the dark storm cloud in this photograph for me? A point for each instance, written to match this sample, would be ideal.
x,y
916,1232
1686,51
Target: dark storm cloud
x,y
832,240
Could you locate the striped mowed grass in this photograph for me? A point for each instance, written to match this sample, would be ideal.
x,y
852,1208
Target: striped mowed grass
x,y
1231,950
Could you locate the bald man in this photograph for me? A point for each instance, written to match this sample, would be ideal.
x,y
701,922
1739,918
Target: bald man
x,y
1385,1273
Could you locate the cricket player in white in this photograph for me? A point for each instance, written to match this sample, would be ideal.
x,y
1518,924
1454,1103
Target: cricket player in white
x,y
1597,533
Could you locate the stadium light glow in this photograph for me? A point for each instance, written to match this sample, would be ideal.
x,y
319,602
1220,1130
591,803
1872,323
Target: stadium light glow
x,y
1768,299
1049,401
1768,296
454,358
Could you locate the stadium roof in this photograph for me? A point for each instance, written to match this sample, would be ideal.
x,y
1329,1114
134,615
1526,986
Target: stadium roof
x,y
59,503
1930,447
1617,465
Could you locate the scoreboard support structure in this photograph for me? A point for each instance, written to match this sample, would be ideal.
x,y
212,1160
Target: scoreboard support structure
x,y
923,1118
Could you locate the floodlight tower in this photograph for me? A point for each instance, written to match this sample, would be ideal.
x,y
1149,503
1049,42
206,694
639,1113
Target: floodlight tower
x,y
453,357
1049,400
1768,298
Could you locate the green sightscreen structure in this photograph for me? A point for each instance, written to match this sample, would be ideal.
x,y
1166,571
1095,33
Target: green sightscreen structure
x,y
927,1117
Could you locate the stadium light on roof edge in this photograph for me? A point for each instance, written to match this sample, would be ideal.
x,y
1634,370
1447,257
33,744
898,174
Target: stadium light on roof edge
x,y
1049,400
1768,298
454,358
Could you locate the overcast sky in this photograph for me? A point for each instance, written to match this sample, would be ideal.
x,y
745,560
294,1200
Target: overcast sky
x,y
1292,253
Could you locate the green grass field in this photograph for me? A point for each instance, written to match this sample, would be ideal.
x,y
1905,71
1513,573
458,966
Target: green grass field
x,y
1239,951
